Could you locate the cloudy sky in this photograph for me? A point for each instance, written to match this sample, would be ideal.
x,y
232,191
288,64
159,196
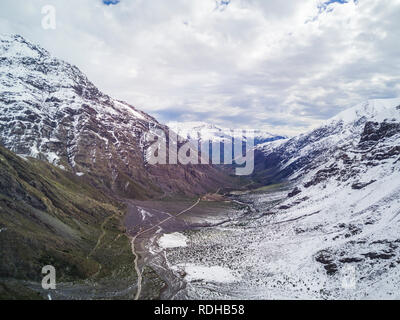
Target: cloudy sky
x,y
284,66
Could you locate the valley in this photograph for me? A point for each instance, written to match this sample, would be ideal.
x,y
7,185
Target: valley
x,y
318,218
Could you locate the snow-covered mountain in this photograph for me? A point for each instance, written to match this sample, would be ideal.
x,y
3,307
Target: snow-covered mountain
x,y
332,233
359,130
202,131
50,110
341,221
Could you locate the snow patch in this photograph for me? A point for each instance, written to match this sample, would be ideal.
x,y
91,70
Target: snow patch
x,y
145,214
212,274
130,109
173,240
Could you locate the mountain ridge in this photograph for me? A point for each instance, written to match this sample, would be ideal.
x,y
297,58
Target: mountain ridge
x,y
51,111
202,131
272,161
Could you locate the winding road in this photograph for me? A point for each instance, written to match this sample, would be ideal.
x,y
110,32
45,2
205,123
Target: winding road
x,y
138,271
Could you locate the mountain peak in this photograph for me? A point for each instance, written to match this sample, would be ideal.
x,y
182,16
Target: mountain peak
x,y
14,45
378,109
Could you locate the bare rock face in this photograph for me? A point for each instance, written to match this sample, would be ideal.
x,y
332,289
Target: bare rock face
x,y
294,192
375,131
51,111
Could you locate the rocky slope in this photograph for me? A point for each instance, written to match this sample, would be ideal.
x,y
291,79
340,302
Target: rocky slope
x,y
51,111
52,217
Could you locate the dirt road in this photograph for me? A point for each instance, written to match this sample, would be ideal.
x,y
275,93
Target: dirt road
x,y
146,230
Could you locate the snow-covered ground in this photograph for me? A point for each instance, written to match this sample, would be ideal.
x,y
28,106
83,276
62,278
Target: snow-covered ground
x,y
287,255
215,274
172,240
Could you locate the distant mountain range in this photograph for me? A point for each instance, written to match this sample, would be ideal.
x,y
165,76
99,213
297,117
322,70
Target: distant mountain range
x,y
203,131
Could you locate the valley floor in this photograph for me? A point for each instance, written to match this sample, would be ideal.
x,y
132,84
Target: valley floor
x,y
149,221
256,245
255,251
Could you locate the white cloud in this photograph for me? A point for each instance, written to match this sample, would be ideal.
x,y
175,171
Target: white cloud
x,y
256,63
